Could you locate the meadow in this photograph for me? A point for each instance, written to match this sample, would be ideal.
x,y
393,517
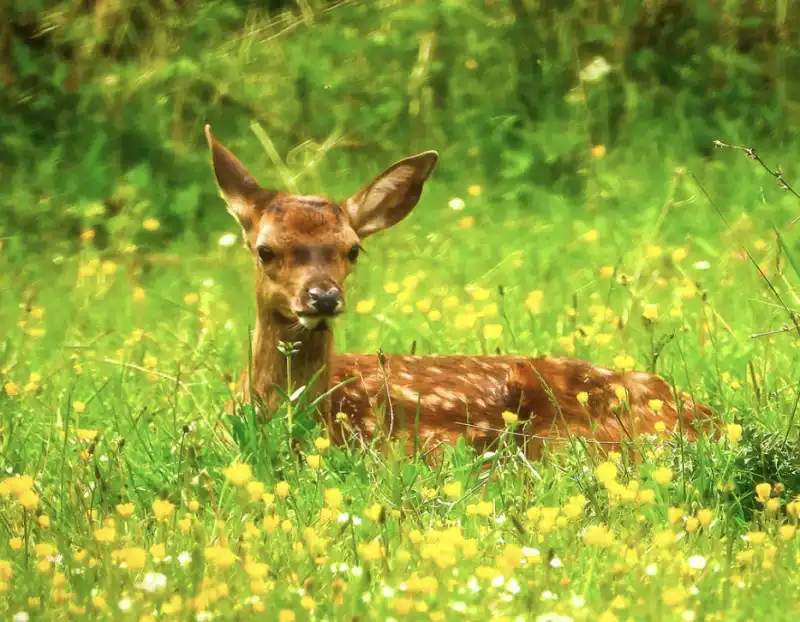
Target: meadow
x,y
137,486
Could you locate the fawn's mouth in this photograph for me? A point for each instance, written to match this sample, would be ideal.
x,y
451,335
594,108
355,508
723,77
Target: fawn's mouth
x,y
316,321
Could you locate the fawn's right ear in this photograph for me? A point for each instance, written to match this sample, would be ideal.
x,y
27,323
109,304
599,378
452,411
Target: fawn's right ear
x,y
236,185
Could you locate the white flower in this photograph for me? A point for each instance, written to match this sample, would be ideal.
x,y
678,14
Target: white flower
x,y
688,615
473,585
578,601
553,617
556,563
498,581
456,204
184,558
125,604
21,616
512,586
696,562
387,592
595,70
548,595
651,570
357,571
459,606
229,239
530,552
153,582
702,265
204,616
208,283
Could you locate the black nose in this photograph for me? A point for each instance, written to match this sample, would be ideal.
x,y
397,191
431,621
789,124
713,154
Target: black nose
x,y
325,301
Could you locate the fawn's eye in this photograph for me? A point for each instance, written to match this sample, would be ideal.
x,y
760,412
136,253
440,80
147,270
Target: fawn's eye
x,y
265,254
352,254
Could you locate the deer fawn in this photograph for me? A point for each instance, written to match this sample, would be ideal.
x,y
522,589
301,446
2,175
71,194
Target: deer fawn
x,y
304,248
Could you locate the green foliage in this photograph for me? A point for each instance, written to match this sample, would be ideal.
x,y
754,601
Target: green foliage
x,y
104,103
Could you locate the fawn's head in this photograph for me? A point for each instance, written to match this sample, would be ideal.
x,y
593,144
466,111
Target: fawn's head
x,y
306,246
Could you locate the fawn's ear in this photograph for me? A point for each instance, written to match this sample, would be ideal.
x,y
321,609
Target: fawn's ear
x,y
391,196
236,185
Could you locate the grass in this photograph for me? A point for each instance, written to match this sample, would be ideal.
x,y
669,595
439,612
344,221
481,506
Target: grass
x,y
124,498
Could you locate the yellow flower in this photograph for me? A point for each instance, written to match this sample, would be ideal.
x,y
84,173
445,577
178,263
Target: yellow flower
x,y
286,615
11,389
606,472
365,306
45,549
647,496
271,524
691,524
6,571
653,251
655,405
674,515
194,505
474,190
773,505
467,222
314,461
756,538
29,500
452,490
606,272
492,331
650,312
191,299
158,551
465,321
16,543
151,224
238,473
105,534
451,302
534,301
479,293
138,294
392,287
322,444
333,498
786,532
705,516
763,492
282,489
599,536
673,596
583,398
624,361
435,315
162,509
255,490
125,510
734,433
621,393
510,417
590,236
660,427
663,475
220,556
598,151
679,254
374,512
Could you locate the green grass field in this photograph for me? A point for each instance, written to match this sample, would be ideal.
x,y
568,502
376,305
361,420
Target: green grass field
x,y
130,492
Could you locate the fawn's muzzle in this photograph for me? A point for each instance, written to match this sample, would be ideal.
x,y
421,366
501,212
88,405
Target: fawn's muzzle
x,y
325,302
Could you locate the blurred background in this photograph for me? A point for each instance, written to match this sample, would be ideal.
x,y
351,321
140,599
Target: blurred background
x,y
102,102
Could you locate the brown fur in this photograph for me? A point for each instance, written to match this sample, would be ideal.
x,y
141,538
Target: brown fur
x,y
440,397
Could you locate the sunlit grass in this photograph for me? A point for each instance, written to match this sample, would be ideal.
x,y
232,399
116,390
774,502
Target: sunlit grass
x,y
129,492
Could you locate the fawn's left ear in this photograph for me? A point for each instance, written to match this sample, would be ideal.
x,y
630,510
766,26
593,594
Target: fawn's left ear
x,y
236,185
391,196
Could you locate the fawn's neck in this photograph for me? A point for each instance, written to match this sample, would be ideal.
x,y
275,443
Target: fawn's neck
x,y
314,351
